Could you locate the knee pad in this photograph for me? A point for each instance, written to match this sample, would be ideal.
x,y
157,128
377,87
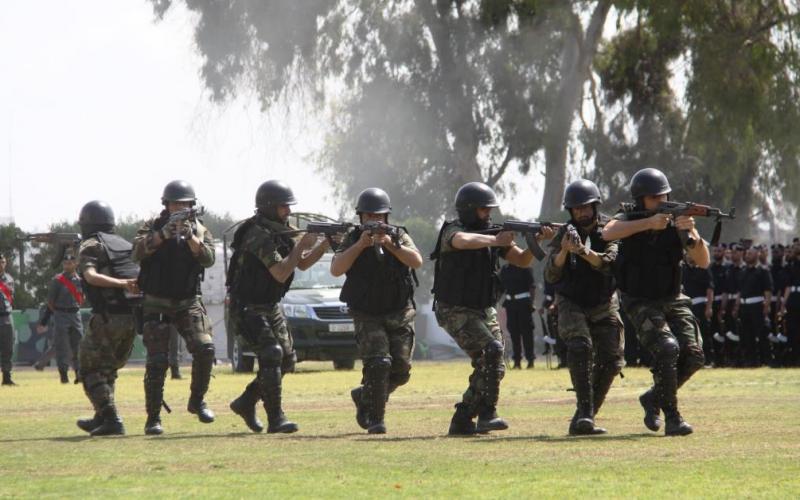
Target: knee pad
x,y
399,378
493,353
206,351
271,356
378,365
667,349
159,360
288,362
579,346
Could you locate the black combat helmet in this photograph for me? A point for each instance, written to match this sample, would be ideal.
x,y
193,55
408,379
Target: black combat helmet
x,y
373,201
469,198
581,192
96,216
649,182
178,191
475,195
273,193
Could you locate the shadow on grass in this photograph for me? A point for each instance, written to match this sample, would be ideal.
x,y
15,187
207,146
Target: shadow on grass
x,y
566,439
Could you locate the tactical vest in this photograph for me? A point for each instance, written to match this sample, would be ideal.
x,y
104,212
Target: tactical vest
x,y
376,287
249,281
648,264
580,282
172,271
120,266
465,278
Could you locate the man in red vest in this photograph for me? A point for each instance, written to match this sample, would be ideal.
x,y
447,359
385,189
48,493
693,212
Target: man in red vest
x,y
6,326
64,301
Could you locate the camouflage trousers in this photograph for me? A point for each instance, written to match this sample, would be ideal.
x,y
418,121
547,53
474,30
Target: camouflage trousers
x,y
601,326
6,346
258,327
477,332
105,349
388,336
188,317
669,331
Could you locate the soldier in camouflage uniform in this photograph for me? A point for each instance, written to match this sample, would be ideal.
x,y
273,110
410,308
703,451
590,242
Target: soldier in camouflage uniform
x,y
262,268
173,256
6,326
109,281
64,300
579,266
649,276
379,292
465,293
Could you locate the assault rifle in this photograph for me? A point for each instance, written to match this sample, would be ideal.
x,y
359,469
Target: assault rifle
x,y
65,241
677,209
529,230
329,229
184,214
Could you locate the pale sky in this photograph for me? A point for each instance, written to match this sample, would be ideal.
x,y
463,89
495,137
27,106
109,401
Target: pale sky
x,y
98,101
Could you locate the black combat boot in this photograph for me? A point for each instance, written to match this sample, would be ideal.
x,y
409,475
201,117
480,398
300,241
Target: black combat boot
x,y
90,424
652,413
579,359
245,407
375,392
64,374
676,426
530,364
175,372
112,424
153,425
489,421
154,376
602,378
361,414
78,379
269,383
7,378
493,370
202,364
517,365
461,424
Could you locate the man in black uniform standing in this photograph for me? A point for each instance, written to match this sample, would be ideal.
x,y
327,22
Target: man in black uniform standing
x,y
519,294
790,306
732,323
698,285
719,277
752,308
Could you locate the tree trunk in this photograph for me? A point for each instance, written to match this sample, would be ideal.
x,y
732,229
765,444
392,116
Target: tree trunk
x,y
576,62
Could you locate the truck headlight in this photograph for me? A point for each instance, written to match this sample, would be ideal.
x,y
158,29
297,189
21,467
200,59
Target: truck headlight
x,y
296,311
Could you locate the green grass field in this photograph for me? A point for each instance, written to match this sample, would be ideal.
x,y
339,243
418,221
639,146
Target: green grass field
x,y
746,441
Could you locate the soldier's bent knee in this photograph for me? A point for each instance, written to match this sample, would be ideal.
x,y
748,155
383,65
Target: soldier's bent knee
x,y
271,356
158,360
206,351
399,378
693,358
667,349
579,346
493,350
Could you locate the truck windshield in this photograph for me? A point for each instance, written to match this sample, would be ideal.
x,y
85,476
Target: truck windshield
x,y
317,276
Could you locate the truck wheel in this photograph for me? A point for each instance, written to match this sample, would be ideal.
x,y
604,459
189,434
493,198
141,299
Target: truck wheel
x,y
344,364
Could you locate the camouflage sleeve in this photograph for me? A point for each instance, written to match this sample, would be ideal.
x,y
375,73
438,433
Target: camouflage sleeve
x,y
259,243
553,273
447,237
91,254
407,242
143,242
207,254
607,257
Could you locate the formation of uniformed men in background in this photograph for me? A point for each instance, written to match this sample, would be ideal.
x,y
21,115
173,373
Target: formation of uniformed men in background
x,y
683,303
